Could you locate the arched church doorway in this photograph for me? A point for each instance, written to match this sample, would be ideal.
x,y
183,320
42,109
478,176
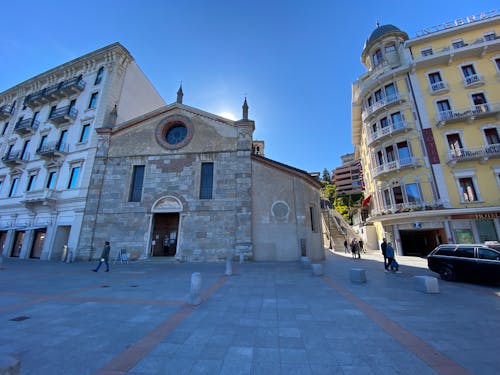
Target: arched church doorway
x,y
165,235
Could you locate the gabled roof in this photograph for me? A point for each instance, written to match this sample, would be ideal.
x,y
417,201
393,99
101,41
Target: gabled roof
x,y
288,169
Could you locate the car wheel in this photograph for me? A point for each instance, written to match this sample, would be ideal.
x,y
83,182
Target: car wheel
x,y
447,273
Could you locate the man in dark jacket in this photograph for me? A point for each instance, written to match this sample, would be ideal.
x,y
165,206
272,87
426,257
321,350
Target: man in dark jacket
x,y
104,257
383,247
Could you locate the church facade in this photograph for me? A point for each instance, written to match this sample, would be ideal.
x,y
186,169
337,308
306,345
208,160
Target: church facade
x,y
185,183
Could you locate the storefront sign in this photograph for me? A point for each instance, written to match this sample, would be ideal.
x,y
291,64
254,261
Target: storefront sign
x,y
487,215
458,22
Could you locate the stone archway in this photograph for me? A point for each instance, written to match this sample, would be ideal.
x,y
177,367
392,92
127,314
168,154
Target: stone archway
x,y
165,226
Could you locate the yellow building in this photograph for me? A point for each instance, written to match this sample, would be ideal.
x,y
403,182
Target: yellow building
x,y
425,124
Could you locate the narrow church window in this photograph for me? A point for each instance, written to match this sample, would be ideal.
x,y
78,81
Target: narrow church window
x,y
137,180
206,183
311,213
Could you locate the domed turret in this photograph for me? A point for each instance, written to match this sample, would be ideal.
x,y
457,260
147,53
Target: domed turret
x,y
388,36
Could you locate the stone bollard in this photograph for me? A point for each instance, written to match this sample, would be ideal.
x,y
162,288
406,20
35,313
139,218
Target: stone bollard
x,y
229,267
9,365
317,269
194,297
304,261
426,284
358,275
242,258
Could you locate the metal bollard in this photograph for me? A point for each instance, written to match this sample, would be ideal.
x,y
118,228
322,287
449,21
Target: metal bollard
x,y
229,267
194,297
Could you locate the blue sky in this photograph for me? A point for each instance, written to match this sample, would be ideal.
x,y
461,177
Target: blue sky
x,y
294,60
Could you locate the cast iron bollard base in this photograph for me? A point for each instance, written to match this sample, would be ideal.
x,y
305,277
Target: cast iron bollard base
x,y
229,267
194,297
317,269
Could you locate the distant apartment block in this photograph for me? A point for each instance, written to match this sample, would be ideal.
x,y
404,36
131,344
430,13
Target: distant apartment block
x,y
348,177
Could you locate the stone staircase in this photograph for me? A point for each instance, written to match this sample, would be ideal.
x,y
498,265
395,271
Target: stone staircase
x,y
338,230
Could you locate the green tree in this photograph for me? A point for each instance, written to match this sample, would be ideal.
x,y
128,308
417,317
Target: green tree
x,y
326,178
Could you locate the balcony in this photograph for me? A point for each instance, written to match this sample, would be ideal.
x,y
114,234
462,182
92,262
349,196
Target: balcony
x,y
473,80
64,115
396,166
437,88
55,92
43,197
382,104
392,129
410,208
14,158
467,114
26,126
481,153
52,150
6,111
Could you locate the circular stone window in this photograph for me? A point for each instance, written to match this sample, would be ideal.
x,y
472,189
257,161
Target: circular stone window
x,y
174,132
280,210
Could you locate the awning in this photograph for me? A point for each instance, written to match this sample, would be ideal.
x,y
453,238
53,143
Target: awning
x,y
366,201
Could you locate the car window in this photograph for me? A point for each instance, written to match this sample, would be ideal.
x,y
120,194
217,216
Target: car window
x,y
488,254
464,252
445,250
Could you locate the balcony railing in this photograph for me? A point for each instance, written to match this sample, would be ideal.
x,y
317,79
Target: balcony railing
x,y
482,153
392,129
468,114
55,92
396,165
473,80
52,149
26,126
15,158
382,104
63,115
6,111
44,197
410,207
439,88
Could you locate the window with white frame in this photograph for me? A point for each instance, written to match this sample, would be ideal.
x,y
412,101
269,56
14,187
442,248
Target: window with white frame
x,y
398,194
459,43
436,81
93,100
377,57
84,135
412,191
496,171
24,152
426,52
100,74
491,136
497,64
390,48
1,183
468,189
51,180
390,91
454,143
13,187
31,182
404,153
73,177
444,109
479,101
489,36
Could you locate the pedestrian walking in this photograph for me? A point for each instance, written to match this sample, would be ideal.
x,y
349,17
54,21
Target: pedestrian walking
x,y
389,252
383,247
345,246
104,257
361,248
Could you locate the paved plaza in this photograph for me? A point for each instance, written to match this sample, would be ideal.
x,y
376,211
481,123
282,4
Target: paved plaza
x,y
266,318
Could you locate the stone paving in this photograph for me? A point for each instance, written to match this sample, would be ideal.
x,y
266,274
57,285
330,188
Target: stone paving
x,y
266,318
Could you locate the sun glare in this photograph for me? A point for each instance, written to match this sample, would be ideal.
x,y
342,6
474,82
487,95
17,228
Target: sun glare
x,y
227,115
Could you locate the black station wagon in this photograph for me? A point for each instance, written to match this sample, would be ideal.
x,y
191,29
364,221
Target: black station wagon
x,y
466,261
